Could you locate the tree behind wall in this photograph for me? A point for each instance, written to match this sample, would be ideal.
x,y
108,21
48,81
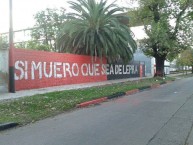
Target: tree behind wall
x,y
95,29
35,45
48,24
167,28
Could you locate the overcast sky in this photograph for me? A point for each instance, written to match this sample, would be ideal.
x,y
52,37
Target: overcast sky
x,y
23,11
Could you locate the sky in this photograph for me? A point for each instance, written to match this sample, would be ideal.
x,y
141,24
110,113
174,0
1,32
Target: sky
x,y
24,10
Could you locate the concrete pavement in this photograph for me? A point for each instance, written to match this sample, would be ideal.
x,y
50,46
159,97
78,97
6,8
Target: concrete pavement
x,y
161,116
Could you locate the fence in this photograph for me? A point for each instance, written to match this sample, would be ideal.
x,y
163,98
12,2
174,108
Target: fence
x,y
3,67
4,61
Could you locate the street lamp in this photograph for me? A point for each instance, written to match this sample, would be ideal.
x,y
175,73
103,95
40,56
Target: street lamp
x,y
11,52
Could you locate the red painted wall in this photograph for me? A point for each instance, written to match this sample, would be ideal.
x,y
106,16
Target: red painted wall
x,y
39,69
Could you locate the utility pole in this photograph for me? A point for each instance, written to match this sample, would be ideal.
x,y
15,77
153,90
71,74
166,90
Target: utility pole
x,y
11,52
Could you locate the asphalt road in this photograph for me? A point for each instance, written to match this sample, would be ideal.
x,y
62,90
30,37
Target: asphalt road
x,y
161,116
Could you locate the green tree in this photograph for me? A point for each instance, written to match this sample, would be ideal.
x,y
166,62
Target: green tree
x,y
96,29
48,24
35,45
134,19
169,31
190,14
186,59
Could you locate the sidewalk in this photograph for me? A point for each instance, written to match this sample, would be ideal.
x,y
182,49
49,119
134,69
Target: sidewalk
x,y
24,93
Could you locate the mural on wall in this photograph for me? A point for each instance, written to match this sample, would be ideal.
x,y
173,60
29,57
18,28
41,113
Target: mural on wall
x,y
39,69
26,70
122,70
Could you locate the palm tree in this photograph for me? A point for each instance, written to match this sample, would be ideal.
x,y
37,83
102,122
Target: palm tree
x,y
97,29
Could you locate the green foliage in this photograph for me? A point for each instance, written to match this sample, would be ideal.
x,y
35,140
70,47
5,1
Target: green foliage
x,y
3,42
48,23
168,29
190,14
95,29
185,58
135,19
36,45
165,37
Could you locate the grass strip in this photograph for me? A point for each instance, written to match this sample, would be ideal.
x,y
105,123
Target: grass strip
x,y
30,109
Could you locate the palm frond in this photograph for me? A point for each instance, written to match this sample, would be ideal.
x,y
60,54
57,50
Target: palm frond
x,y
95,29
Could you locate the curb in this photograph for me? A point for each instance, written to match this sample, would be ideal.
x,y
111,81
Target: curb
x,y
155,86
116,95
119,94
132,92
163,83
92,102
169,82
9,125
144,88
